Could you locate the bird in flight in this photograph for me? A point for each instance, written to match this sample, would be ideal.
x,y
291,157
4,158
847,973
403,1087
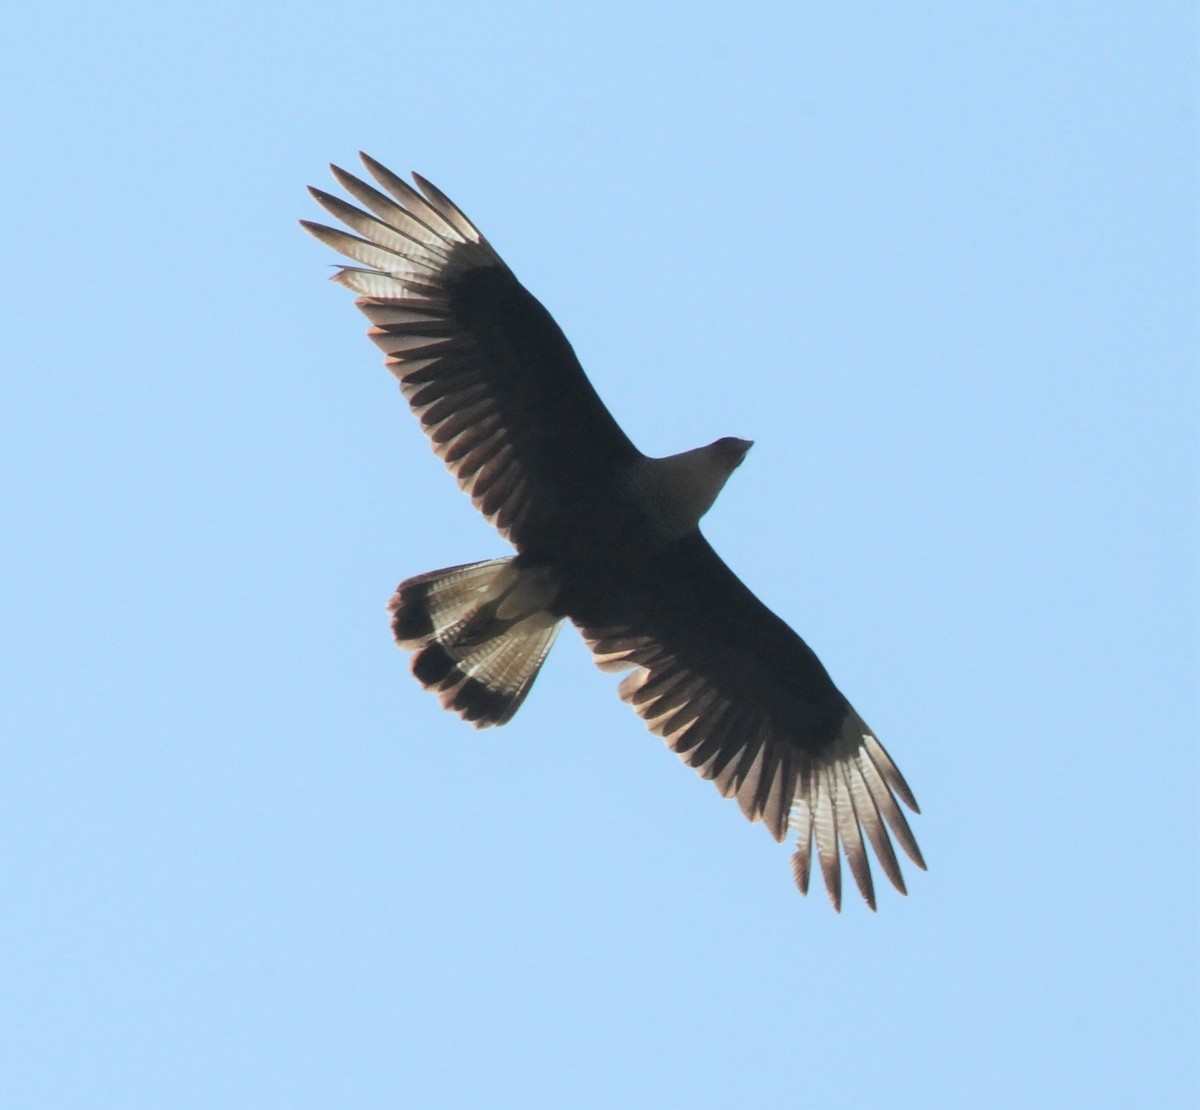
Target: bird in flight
x,y
606,537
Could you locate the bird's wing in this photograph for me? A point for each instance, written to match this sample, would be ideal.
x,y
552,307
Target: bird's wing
x,y
491,376
741,698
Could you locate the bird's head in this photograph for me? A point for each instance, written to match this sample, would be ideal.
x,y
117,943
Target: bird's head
x,y
731,451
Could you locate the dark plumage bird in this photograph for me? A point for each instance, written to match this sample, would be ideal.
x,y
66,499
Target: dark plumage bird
x,y
606,537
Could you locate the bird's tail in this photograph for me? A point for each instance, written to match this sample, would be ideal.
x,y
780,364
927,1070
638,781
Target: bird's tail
x,y
479,633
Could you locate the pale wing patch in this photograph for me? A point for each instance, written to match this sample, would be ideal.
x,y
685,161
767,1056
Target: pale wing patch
x,y
852,791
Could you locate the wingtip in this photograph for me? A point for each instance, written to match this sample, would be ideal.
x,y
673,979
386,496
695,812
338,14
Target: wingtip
x,y
372,164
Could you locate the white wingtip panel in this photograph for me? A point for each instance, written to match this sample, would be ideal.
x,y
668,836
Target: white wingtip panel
x,y
850,792
414,233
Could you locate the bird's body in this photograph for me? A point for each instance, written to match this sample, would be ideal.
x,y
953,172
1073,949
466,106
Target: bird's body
x,y
606,537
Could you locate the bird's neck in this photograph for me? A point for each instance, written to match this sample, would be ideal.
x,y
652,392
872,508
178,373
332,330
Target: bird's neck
x,y
677,490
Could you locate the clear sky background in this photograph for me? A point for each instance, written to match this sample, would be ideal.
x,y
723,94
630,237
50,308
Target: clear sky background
x,y
938,259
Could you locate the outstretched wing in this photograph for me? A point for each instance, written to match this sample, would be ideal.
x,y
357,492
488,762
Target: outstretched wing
x,y
491,376
741,698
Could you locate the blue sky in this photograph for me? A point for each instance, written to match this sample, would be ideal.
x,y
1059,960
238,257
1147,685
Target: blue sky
x,y
938,260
